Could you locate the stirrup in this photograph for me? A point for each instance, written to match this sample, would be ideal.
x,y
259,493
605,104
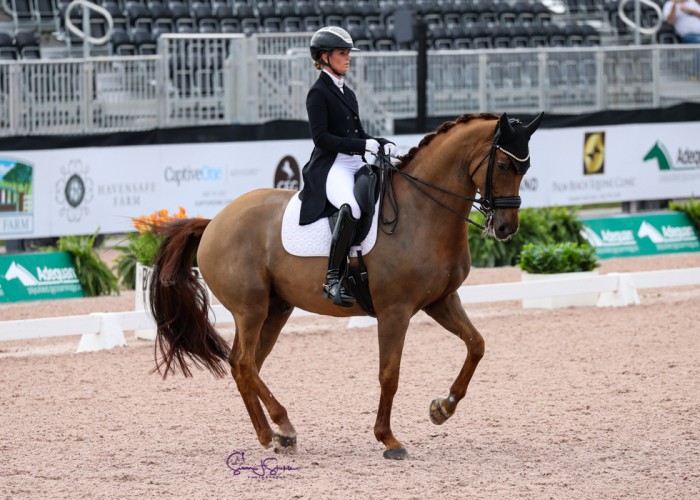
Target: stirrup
x,y
333,289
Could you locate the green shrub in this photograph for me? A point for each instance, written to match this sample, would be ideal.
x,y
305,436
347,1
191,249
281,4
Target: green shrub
x,y
565,257
537,225
93,273
692,208
139,248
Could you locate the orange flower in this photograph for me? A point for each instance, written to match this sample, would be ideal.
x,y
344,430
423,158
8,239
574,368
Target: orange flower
x,y
144,223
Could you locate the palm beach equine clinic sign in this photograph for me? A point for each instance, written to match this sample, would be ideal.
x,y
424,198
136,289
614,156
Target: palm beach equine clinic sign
x,y
38,276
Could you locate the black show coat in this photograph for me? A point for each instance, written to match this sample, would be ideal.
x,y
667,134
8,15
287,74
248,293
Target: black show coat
x,y
334,121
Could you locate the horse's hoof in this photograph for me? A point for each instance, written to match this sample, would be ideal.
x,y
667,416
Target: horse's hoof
x,y
397,454
285,444
438,416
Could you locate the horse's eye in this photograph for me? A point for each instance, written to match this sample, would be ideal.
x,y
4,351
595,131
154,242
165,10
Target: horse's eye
x,y
503,165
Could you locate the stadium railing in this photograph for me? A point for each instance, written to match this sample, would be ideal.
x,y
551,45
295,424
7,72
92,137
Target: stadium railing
x,y
198,79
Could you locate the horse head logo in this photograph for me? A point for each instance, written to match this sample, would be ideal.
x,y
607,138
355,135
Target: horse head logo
x,y
647,229
17,271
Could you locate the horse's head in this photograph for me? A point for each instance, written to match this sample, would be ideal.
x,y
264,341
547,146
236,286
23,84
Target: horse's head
x,y
507,162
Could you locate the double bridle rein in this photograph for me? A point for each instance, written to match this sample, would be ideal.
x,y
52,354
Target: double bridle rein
x,y
487,204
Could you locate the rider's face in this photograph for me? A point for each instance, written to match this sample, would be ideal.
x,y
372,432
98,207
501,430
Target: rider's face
x,y
339,60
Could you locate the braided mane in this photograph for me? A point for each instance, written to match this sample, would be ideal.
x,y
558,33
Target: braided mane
x,y
406,159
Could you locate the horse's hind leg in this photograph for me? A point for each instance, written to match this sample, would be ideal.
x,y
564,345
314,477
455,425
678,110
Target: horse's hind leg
x,y
449,313
256,334
277,316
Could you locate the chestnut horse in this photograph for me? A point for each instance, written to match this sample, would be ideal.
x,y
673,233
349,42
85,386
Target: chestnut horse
x,y
419,265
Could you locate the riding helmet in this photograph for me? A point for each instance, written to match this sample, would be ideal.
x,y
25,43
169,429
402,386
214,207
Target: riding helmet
x,y
329,38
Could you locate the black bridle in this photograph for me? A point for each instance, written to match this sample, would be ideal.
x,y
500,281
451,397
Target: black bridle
x,y
487,203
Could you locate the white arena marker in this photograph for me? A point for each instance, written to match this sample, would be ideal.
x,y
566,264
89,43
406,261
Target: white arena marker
x,y
110,335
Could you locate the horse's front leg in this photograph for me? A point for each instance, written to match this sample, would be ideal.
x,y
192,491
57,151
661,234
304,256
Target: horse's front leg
x,y
392,333
449,313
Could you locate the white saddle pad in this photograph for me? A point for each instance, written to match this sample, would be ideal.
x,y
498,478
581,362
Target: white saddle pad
x,y
314,240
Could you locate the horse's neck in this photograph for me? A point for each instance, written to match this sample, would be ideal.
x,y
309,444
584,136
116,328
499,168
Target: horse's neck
x,y
445,163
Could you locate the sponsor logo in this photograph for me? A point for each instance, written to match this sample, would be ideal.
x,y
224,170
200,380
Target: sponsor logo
x,y
684,159
205,173
668,234
43,276
609,238
594,153
127,194
287,174
641,235
74,190
16,196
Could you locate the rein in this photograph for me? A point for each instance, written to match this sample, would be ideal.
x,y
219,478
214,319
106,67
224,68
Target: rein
x,y
487,204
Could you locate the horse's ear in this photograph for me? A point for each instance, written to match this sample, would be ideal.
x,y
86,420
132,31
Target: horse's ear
x,y
534,124
506,128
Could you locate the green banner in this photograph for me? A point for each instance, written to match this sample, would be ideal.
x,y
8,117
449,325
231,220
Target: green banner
x,y
38,276
647,234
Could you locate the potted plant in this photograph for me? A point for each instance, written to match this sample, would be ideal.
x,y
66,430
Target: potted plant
x,y
552,261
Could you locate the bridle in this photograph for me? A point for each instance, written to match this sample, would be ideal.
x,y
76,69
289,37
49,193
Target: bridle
x,y
487,203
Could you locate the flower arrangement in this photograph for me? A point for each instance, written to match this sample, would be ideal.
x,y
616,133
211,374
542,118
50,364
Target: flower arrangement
x,y
142,246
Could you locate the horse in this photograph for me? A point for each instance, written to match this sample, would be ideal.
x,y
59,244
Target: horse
x,y
418,264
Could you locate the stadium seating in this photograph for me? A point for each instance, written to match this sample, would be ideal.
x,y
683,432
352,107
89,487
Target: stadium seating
x,y
452,24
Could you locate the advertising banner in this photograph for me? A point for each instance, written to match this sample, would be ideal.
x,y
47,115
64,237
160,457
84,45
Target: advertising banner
x,y
78,190
649,234
584,166
38,276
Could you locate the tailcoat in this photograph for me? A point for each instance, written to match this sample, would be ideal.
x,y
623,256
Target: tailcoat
x,y
334,121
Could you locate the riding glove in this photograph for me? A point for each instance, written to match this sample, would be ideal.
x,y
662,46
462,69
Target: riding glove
x,y
391,149
372,146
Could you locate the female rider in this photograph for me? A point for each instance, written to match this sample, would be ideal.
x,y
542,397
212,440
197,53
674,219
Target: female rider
x,y
339,146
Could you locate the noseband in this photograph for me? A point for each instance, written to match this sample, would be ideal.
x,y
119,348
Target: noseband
x,y
487,203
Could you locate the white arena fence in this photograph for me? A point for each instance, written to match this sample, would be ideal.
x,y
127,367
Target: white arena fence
x,y
106,330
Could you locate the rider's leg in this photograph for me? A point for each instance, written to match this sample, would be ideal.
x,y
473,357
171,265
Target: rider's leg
x,y
340,184
337,261
339,191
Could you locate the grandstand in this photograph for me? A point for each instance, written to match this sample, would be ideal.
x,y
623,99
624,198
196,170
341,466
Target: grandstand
x,y
78,67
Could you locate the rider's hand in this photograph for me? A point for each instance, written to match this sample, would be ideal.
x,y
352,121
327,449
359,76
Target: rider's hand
x,y
391,150
372,146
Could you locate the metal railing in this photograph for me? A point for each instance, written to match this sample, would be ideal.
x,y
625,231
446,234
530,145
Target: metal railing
x,y
226,79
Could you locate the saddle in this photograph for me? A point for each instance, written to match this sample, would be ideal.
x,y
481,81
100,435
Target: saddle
x,y
367,190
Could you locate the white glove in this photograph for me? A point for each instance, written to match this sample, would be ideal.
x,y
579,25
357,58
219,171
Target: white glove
x,y
391,149
372,146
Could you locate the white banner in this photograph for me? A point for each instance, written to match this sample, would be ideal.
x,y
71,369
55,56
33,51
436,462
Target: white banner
x,y
75,191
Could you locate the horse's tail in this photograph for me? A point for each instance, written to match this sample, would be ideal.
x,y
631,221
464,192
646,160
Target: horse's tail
x,y
180,304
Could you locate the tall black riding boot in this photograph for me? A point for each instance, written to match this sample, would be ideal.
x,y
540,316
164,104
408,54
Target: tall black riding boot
x,y
337,261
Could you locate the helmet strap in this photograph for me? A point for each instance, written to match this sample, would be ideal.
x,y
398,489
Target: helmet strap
x,y
328,64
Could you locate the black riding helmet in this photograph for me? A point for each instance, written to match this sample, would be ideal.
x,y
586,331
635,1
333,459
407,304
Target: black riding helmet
x,y
329,38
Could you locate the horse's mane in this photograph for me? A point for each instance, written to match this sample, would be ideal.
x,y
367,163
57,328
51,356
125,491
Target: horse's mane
x,y
406,159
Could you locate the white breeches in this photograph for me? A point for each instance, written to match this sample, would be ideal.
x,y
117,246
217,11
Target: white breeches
x,y
341,182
